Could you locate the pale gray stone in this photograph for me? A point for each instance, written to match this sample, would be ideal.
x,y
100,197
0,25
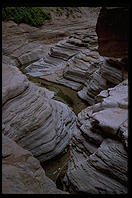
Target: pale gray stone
x,y
100,173
31,118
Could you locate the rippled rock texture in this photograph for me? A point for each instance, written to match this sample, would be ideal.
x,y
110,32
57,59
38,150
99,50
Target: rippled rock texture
x,y
75,62
98,136
31,118
22,173
98,158
22,44
69,62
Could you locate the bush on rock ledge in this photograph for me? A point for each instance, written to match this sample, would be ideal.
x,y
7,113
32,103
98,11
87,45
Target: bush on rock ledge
x,y
33,16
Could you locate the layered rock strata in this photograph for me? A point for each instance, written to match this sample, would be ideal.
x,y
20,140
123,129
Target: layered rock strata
x,y
98,151
31,118
98,155
74,62
22,173
68,62
23,44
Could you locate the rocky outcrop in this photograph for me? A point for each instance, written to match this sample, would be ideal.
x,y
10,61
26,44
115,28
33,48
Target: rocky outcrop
x,y
68,62
74,62
112,30
31,118
98,136
18,49
99,145
23,44
98,158
22,173
100,173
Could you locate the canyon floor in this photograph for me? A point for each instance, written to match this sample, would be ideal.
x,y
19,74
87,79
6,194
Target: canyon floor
x,y
64,109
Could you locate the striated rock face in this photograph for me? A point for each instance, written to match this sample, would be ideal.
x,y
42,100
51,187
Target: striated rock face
x,y
98,136
22,44
73,62
69,62
101,172
31,118
98,158
112,30
22,173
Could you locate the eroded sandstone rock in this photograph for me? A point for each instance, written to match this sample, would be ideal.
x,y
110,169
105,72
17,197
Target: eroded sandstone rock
x,y
100,173
73,62
69,62
31,118
99,145
44,126
22,173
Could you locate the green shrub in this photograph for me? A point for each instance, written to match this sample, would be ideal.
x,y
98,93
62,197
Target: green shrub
x,y
34,16
59,11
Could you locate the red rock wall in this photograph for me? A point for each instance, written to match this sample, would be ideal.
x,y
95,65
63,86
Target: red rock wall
x,y
112,31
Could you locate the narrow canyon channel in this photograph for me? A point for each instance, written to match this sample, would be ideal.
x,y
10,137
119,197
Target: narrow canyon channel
x,y
62,93
56,168
65,103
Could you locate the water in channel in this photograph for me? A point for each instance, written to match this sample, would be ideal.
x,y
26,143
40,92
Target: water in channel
x,y
62,93
56,168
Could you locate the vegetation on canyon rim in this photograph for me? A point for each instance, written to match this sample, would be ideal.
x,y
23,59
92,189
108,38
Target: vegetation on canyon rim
x,y
34,16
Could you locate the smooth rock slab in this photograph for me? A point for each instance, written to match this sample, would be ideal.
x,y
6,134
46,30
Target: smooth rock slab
x,y
112,111
113,97
10,88
110,119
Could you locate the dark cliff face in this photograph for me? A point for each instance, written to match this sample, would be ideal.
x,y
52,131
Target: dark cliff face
x,y
112,30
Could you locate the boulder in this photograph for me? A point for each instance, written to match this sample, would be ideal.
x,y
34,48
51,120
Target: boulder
x,y
31,118
99,145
